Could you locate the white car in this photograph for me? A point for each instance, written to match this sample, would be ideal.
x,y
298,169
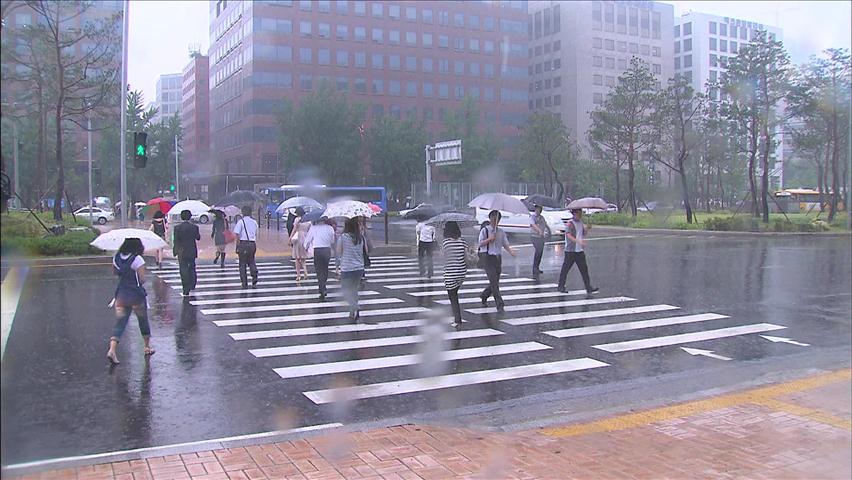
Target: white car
x,y
99,215
610,208
520,222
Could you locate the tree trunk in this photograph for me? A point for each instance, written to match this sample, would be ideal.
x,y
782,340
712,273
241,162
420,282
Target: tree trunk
x,y
685,188
764,176
720,185
560,191
60,169
835,175
631,176
823,187
40,180
820,181
617,182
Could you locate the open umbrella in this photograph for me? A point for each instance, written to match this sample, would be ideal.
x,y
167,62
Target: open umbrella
x,y
498,201
348,209
196,207
587,202
112,240
463,219
313,216
160,204
375,208
294,202
542,200
231,210
241,198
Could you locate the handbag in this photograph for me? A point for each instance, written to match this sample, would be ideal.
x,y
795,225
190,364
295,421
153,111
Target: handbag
x,y
230,237
238,250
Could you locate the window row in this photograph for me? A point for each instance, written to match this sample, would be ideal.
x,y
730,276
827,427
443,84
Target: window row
x,y
610,64
544,49
546,66
721,45
610,44
548,101
545,84
544,22
626,19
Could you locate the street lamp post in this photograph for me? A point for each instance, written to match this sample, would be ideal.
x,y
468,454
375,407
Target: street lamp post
x,y
123,106
89,149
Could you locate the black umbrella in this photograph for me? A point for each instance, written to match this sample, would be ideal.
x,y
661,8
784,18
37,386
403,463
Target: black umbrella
x,y
241,198
542,200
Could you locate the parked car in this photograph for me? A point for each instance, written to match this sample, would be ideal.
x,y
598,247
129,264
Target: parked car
x,y
425,211
610,208
556,219
99,215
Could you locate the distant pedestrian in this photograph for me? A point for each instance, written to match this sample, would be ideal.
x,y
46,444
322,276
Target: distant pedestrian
x,y
297,245
492,242
246,231
220,225
368,245
351,247
575,242
538,234
130,295
186,251
160,226
321,238
425,245
455,266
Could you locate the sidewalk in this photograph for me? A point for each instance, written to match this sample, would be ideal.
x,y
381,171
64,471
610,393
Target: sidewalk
x,y
798,429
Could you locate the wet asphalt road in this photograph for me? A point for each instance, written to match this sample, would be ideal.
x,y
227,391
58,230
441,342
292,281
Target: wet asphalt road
x,y
61,398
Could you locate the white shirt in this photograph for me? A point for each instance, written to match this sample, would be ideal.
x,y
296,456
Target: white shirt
x,y
320,235
246,229
425,233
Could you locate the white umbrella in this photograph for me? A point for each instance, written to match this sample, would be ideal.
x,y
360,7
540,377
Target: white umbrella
x,y
348,209
498,201
294,202
112,240
232,210
587,202
196,207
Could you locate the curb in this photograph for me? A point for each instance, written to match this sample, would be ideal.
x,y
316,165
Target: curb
x,y
719,233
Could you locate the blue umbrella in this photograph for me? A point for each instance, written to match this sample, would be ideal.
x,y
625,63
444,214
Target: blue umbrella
x,y
313,215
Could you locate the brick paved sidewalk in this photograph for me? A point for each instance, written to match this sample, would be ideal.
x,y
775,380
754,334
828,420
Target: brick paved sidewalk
x,y
799,429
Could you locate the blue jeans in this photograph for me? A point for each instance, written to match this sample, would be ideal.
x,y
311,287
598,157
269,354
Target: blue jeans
x,y
349,282
122,315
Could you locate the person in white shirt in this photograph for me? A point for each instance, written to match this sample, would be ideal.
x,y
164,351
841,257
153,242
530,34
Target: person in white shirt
x,y
321,238
575,243
425,244
246,231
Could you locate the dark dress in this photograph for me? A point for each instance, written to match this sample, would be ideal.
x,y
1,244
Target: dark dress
x,y
219,231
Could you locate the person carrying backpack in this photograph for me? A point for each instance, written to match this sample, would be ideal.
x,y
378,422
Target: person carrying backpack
x,y
130,295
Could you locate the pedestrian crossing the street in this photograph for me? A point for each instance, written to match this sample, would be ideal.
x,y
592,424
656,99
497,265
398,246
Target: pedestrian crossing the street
x,y
405,323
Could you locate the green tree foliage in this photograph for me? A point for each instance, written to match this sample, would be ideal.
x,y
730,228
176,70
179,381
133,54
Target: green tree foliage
x,y
479,145
323,132
395,148
546,150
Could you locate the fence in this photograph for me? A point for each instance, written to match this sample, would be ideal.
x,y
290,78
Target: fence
x,y
459,194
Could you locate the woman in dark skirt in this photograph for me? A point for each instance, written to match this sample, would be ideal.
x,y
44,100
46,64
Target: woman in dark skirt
x,y
160,226
220,224
130,295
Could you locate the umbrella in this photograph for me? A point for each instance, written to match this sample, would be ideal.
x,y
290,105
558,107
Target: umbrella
x,y
498,201
313,216
139,204
294,202
160,203
587,202
375,208
463,219
542,200
231,210
113,239
348,209
196,207
241,198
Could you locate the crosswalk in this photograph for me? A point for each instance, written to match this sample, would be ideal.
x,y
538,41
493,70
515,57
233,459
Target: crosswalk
x,y
405,323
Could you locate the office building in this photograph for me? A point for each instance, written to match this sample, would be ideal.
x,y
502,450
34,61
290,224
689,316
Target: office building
x,y
195,120
169,96
406,59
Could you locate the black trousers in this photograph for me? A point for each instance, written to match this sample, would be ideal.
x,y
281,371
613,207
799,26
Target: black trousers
x,y
322,256
454,302
424,257
538,245
188,279
246,251
493,270
580,259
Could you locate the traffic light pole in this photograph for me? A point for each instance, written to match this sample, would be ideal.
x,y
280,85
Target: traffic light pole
x,y
15,157
89,148
123,106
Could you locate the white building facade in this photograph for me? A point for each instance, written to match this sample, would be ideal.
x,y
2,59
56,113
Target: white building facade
x,y
169,96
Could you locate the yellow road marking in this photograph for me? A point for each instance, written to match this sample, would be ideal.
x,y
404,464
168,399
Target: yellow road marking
x,y
807,412
760,396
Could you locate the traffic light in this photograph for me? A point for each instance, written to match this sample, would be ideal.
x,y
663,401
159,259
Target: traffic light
x,y
140,149
172,187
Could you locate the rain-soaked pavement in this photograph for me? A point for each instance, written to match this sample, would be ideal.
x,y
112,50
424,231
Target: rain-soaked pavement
x,y
231,363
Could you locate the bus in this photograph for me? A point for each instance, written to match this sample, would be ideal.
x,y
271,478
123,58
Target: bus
x,y
324,194
803,200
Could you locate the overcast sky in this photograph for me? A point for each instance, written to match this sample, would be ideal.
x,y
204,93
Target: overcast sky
x,y
161,32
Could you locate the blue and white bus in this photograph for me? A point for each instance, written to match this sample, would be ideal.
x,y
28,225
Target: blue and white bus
x,y
324,193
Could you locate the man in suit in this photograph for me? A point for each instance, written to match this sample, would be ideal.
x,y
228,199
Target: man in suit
x,y
186,250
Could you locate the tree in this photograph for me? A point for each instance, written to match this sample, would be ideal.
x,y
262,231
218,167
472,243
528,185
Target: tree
x,y
627,114
545,144
322,132
677,109
108,151
81,69
395,148
161,161
758,78
479,145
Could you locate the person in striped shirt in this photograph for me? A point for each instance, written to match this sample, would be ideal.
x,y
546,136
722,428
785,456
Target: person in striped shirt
x,y
455,267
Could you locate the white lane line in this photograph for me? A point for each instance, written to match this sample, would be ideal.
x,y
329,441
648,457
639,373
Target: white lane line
x,y
519,296
298,306
638,325
316,316
436,293
413,286
149,452
561,317
403,360
567,303
240,291
686,337
264,281
228,266
414,280
329,329
264,276
273,298
222,273
10,296
368,343
452,380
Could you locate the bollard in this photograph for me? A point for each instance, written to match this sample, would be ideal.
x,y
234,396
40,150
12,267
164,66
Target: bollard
x,y
278,222
386,227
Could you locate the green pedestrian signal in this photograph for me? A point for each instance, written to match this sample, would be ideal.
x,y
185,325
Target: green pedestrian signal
x,y
172,187
140,149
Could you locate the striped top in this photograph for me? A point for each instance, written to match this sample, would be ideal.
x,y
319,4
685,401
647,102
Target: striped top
x,y
351,255
455,266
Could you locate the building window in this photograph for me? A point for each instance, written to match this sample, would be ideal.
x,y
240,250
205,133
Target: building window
x,y
610,63
361,59
537,68
393,37
557,45
557,82
459,92
622,46
677,63
360,83
734,47
677,47
687,45
305,29
342,7
656,51
342,58
411,38
597,61
458,20
378,110
714,62
427,65
443,18
411,14
712,44
305,5
443,41
677,31
306,82
377,10
458,67
723,45
324,56
378,87
548,101
443,65
597,43
634,48
411,89
394,12
361,10
360,34
714,75
645,50
713,28
474,45
597,79
342,32
427,16
557,63
687,61
622,64
305,56
743,33
378,35
443,90
473,69
488,47
723,29
378,61
473,22
687,28
658,69
458,44
427,40
324,30
427,90
394,62
488,70
609,44
610,81
410,64
597,98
